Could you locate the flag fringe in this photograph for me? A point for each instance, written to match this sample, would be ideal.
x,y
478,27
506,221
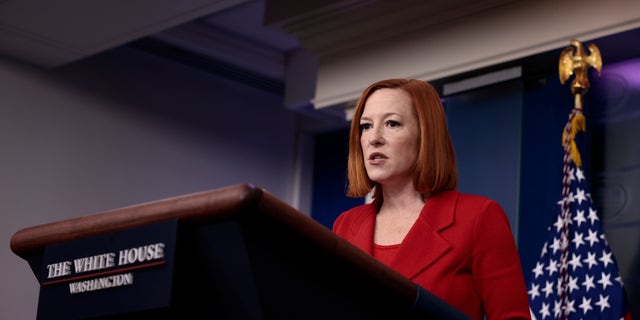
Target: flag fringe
x,y
577,124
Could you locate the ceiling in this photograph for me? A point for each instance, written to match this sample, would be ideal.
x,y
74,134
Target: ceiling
x,y
245,40
50,34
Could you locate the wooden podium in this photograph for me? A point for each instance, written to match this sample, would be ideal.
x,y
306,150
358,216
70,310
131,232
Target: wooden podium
x,y
232,253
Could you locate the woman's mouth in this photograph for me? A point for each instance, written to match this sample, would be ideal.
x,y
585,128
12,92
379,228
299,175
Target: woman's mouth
x,y
377,156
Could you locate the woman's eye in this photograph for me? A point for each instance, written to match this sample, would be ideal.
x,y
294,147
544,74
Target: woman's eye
x,y
365,126
393,123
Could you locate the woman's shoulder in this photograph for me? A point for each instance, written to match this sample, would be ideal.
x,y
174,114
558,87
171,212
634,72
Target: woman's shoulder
x,y
355,215
472,206
472,199
358,212
483,209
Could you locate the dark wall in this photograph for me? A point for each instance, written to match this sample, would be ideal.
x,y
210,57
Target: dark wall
x,y
485,125
546,107
614,124
123,128
330,177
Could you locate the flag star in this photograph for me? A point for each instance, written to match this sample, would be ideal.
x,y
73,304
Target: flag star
x,y
585,305
579,218
534,291
592,237
619,280
570,198
604,239
560,286
556,245
577,239
579,174
544,249
588,283
548,288
604,280
557,308
575,261
564,241
580,196
573,284
603,303
593,215
553,267
570,308
606,258
563,266
558,224
538,269
591,259
544,311
571,175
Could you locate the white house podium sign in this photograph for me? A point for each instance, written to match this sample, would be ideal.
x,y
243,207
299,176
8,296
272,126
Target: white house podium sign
x,y
236,252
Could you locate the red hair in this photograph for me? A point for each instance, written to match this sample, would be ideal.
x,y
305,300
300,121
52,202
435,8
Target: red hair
x,y
435,169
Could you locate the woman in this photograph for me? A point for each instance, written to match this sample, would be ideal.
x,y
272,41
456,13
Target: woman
x,y
457,246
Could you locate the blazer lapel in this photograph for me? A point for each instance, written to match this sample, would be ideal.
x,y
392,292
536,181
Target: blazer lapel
x,y
423,245
362,236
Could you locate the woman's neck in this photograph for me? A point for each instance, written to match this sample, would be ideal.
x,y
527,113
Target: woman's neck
x,y
403,199
399,211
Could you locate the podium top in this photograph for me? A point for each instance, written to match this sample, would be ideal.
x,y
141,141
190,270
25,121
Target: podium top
x,y
251,207
223,204
213,205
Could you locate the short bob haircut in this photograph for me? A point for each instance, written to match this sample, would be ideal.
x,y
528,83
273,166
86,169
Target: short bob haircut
x,y
435,168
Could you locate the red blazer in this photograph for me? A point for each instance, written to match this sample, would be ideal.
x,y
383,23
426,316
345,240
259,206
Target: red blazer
x,y
460,248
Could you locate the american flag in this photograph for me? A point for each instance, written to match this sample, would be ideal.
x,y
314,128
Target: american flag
x,y
576,276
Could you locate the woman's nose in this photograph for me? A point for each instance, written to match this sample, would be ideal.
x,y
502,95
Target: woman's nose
x,y
376,137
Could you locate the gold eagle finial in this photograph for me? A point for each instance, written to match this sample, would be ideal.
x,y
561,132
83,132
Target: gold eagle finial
x,y
574,60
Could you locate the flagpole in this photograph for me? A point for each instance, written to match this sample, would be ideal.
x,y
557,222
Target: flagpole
x,y
577,104
573,61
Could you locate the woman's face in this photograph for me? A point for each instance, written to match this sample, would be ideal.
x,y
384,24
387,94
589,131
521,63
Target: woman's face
x,y
389,137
